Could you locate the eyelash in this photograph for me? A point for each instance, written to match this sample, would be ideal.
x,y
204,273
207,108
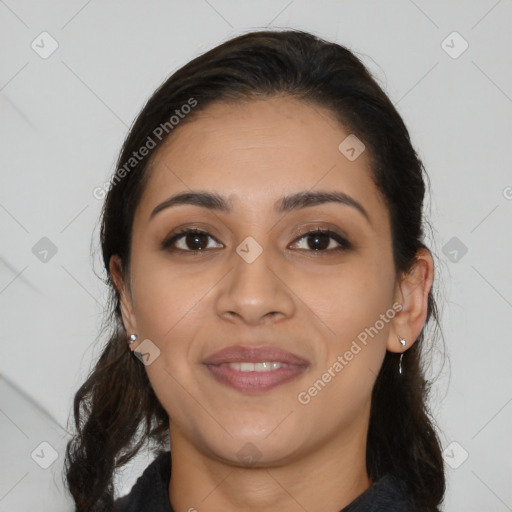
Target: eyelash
x,y
344,244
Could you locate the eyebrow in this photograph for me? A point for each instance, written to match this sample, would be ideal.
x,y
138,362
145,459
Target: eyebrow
x,y
299,200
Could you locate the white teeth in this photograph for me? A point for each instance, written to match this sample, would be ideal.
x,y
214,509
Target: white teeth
x,y
266,366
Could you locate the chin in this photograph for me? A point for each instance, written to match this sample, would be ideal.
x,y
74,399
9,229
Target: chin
x,y
254,449
254,454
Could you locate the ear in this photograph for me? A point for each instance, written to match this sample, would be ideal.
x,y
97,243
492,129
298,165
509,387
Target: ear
x,y
116,271
411,291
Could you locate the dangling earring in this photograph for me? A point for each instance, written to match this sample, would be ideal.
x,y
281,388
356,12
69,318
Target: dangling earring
x,y
133,337
402,342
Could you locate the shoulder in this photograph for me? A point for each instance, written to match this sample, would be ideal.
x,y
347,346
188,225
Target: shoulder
x,y
388,494
151,490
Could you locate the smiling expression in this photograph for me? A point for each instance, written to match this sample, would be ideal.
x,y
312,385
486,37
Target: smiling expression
x,y
254,231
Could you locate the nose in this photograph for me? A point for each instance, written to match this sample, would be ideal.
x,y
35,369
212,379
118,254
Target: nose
x,y
255,291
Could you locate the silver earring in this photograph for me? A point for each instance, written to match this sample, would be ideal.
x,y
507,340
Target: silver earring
x,y
133,337
402,342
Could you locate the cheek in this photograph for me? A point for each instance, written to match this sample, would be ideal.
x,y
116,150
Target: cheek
x,y
349,299
353,308
169,308
341,384
168,297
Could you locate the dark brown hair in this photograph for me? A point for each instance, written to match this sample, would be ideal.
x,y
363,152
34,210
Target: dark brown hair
x,y
116,410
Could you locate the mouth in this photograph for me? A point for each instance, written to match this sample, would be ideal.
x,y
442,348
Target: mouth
x,y
254,369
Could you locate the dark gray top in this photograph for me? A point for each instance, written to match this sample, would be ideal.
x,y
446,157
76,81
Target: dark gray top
x,y
151,493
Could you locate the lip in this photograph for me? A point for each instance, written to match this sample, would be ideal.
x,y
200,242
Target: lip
x,y
254,381
241,353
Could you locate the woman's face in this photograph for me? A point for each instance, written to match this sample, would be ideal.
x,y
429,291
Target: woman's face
x,y
258,280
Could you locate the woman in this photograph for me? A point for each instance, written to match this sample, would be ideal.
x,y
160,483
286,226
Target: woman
x,y
263,242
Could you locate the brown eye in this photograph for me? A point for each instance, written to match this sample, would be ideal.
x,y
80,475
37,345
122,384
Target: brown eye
x,y
323,241
188,240
196,241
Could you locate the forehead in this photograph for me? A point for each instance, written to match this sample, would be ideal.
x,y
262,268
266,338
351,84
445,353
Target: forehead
x,y
255,152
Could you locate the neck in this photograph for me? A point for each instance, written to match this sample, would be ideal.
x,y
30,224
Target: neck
x,y
325,480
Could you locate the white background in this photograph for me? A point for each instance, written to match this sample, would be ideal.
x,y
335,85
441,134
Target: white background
x,y
62,122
